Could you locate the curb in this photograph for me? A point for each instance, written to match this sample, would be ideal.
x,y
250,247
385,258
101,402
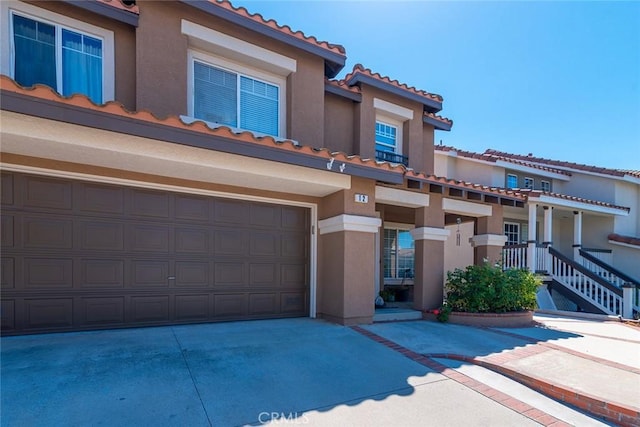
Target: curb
x,y
612,412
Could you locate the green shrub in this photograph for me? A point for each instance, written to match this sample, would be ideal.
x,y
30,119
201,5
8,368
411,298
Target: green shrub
x,y
487,288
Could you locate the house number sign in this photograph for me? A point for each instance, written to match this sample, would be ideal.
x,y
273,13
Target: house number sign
x,y
362,198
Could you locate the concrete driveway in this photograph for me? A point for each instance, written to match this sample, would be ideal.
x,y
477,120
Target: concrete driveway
x,y
293,371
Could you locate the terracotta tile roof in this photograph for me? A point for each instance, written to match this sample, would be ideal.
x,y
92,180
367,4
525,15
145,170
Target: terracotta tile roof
x,y
360,69
512,194
242,11
342,85
558,163
634,173
624,239
494,158
45,93
434,116
537,193
118,4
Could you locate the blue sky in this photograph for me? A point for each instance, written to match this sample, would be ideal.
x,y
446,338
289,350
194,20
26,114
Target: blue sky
x,y
560,80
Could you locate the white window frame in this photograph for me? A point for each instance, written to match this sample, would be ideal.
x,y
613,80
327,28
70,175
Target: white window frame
x,y
398,227
529,182
7,66
516,232
509,175
548,185
240,70
389,121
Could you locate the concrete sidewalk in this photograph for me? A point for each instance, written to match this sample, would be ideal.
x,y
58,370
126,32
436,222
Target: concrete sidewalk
x,y
592,365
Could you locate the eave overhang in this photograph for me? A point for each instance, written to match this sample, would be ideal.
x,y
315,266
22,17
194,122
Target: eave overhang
x,y
333,62
109,11
437,123
345,93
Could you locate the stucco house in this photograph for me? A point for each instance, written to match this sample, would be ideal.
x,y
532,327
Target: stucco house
x,y
189,161
587,214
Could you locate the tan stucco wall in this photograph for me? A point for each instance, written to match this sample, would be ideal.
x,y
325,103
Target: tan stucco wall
x,y
124,45
343,202
339,122
159,32
458,256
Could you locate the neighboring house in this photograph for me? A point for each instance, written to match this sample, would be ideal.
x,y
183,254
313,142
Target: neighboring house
x,y
232,178
571,207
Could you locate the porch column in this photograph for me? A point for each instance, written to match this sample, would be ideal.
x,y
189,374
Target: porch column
x,y
489,239
531,239
577,234
429,236
548,235
347,245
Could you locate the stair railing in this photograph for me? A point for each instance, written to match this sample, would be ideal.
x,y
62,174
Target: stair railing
x,y
604,270
586,284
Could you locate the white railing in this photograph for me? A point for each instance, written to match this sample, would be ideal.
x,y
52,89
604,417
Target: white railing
x,y
541,258
605,273
603,255
608,300
514,256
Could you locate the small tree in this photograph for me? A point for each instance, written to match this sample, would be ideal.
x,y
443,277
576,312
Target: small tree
x,y
488,288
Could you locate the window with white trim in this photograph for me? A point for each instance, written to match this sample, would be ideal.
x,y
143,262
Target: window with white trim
x,y
68,55
528,182
512,231
512,181
545,185
398,254
386,137
235,96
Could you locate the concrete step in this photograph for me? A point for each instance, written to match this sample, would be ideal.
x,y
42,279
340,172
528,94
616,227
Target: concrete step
x,y
396,314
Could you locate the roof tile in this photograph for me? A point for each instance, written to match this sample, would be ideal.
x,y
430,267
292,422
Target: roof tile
x,y
242,11
118,4
533,193
360,69
112,107
342,85
439,118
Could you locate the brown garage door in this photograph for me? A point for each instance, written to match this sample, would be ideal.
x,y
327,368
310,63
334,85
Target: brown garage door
x,y
81,255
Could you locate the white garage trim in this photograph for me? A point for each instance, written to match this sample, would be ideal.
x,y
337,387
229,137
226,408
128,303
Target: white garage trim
x,y
313,262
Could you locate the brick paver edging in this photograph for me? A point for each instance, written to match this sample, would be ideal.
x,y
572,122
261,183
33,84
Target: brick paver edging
x,y
493,394
612,412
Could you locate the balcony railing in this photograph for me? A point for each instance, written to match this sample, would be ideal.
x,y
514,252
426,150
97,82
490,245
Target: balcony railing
x,y
388,156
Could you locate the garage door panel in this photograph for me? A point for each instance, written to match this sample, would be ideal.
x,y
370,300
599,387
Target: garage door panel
x,y
48,273
230,305
148,238
231,211
49,193
7,187
193,240
47,233
230,241
48,313
293,302
8,315
101,198
148,273
83,255
264,243
7,275
294,218
101,235
7,224
102,273
102,311
149,309
229,273
148,203
192,274
263,304
192,307
263,274
192,208
265,215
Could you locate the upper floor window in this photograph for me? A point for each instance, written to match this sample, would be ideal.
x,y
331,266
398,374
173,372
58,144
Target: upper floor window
x,y
528,183
51,49
386,137
235,96
545,185
512,181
